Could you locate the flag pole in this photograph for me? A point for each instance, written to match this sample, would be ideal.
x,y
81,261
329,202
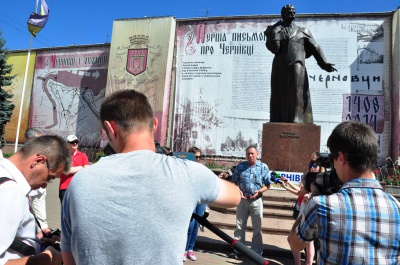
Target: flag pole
x,y
24,87
23,94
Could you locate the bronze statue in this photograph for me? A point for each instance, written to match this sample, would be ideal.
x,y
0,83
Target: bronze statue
x,y
290,96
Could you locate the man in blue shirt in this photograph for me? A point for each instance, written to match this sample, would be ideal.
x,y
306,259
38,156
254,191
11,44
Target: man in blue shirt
x,y
360,223
250,177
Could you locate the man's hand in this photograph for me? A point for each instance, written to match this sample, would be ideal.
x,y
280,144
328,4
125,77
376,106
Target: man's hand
x,y
55,256
45,230
257,194
307,197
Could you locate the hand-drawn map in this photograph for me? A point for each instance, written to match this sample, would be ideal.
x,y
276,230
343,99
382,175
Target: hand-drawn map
x,y
68,89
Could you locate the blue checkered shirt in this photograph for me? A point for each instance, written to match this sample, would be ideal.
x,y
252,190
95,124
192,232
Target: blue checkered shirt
x,y
251,178
360,224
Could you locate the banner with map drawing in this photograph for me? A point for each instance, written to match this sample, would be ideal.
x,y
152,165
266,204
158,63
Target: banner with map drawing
x,y
68,89
18,61
223,79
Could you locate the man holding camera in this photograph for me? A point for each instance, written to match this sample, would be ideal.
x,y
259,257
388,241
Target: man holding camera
x,y
360,223
37,162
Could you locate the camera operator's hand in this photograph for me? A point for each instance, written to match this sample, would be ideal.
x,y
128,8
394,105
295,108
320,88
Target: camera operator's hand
x,y
50,241
55,256
45,231
307,197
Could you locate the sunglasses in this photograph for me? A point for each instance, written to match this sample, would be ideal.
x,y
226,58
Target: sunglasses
x,y
74,142
198,157
312,166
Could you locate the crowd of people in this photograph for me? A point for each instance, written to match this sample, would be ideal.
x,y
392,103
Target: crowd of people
x,y
135,206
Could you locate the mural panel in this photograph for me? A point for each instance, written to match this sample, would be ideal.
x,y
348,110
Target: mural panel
x,y
69,87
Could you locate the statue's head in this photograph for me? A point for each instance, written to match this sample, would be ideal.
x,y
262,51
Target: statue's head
x,y
288,13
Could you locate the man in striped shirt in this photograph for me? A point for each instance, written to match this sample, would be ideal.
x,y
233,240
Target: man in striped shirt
x,y
360,224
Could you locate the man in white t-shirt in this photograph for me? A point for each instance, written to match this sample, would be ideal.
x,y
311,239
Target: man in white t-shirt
x,y
38,161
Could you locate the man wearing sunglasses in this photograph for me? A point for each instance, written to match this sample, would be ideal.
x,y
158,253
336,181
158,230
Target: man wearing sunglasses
x,y
360,223
79,161
37,162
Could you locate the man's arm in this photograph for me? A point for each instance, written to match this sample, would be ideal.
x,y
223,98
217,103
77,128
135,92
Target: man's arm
x,y
294,241
229,195
48,257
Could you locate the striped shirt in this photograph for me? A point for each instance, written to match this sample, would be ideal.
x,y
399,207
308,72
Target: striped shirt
x,y
360,224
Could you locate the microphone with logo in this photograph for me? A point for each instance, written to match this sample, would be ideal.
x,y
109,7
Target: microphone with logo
x,y
276,177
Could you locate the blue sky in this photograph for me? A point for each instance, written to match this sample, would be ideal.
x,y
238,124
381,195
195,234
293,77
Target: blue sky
x,y
91,21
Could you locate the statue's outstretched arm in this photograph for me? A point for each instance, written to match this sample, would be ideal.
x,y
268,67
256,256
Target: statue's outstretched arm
x,y
315,50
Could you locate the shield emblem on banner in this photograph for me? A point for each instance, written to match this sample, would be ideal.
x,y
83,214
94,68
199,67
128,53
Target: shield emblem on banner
x,y
137,61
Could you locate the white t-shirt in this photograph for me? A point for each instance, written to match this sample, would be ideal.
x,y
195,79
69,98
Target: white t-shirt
x,y
16,220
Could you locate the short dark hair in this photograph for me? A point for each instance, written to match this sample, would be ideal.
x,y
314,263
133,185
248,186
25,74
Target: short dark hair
x,y
250,147
194,150
31,133
53,147
357,142
130,109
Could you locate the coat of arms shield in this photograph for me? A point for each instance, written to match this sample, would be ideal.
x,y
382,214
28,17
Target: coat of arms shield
x,y
136,62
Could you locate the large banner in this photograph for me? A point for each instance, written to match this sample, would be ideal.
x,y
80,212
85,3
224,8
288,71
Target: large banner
x,y
223,80
18,61
69,87
141,56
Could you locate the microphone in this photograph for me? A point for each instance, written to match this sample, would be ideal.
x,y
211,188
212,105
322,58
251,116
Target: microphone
x,y
276,177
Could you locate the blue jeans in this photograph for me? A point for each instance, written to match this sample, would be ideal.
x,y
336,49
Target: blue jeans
x,y
194,227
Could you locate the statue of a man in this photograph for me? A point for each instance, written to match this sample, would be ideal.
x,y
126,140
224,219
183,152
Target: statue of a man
x,y
290,96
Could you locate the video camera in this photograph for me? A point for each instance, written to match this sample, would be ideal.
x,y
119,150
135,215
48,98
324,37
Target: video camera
x,y
55,232
327,182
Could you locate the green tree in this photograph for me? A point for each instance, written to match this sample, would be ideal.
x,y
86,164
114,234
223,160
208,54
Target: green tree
x,y
6,107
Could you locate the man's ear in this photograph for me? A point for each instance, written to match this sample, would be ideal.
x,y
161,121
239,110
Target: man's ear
x,y
341,157
38,159
155,124
111,129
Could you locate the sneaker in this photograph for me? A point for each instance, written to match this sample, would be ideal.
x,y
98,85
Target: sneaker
x,y
184,256
191,255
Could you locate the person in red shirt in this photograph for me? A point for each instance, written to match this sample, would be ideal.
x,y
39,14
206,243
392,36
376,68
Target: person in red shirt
x,y
79,161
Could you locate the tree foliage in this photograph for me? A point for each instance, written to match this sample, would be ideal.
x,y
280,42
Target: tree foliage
x,y
6,107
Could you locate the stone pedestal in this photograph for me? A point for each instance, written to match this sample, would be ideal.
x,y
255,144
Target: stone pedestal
x,y
288,146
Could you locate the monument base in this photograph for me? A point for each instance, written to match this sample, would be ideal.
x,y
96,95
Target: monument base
x,y
288,146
